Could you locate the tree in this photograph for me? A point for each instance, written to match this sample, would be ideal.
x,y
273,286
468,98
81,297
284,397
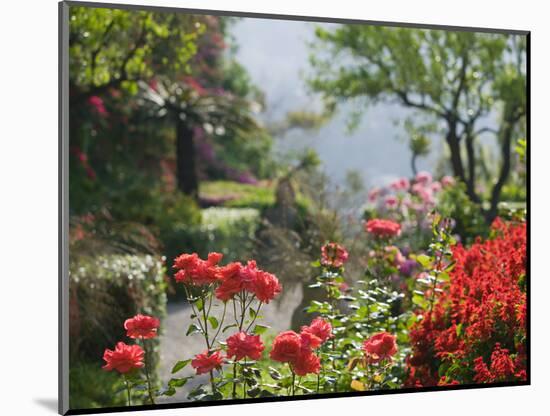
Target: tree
x,y
109,48
190,107
460,80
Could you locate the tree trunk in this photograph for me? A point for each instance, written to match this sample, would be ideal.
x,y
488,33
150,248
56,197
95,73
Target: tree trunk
x,y
506,137
413,164
454,147
187,177
471,180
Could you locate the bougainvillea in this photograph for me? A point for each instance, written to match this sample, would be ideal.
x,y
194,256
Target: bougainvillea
x,y
476,331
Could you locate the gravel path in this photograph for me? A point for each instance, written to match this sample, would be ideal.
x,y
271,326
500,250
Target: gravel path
x,y
175,345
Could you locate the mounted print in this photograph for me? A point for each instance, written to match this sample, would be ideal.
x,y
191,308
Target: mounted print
x,y
258,208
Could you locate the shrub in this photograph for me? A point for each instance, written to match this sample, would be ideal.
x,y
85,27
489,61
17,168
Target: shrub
x,y
475,332
104,291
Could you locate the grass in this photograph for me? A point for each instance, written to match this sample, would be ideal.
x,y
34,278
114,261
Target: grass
x,y
239,195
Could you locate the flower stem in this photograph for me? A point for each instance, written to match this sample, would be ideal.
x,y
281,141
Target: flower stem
x,y
293,380
128,391
234,395
147,361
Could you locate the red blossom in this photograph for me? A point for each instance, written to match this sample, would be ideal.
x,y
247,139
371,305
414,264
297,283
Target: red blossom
x,y
307,363
319,328
206,362
98,105
242,345
381,346
383,228
142,326
484,302
333,255
235,278
123,358
194,271
286,347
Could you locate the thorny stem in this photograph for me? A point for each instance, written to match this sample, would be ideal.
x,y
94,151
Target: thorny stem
x,y
293,380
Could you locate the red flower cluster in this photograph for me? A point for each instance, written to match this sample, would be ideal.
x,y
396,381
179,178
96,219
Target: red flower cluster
x,y
383,228
318,328
206,362
297,349
235,278
142,326
123,358
232,279
333,255
242,345
379,347
480,321
195,271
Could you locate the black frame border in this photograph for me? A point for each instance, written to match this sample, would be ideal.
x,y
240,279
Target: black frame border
x,y
63,200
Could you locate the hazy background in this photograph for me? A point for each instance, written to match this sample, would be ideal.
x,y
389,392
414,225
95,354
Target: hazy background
x,y
275,54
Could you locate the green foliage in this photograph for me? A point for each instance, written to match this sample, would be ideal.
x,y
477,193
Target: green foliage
x,y
91,387
456,80
468,216
111,46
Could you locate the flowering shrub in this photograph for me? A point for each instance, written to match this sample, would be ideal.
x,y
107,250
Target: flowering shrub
x,y
475,332
448,314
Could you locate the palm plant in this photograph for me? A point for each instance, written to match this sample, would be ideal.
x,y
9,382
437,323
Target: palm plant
x,y
190,106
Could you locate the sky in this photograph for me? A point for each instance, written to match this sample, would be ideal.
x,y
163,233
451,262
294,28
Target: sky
x,y
275,53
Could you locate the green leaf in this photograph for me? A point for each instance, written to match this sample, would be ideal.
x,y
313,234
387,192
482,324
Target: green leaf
x,y
260,329
275,375
253,392
179,365
178,382
213,321
193,329
425,261
229,326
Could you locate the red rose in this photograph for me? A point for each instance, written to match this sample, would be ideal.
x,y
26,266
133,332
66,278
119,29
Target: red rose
x,y
383,228
124,358
205,362
286,347
242,345
195,271
310,341
142,326
380,347
231,282
333,255
307,363
266,286
320,329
